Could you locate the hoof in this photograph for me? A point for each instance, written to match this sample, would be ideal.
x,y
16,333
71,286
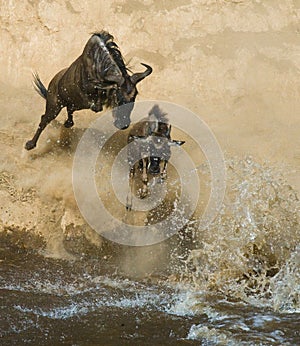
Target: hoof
x,y
163,177
68,123
96,107
30,145
143,194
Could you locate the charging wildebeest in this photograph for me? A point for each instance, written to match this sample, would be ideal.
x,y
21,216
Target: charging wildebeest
x,y
97,78
149,147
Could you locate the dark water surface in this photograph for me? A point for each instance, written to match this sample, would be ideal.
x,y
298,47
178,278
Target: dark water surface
x,y
46,301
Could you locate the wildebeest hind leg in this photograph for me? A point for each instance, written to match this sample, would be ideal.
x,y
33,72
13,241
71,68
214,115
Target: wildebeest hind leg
x,y
69,122
45,120
163,174
144,192
130,192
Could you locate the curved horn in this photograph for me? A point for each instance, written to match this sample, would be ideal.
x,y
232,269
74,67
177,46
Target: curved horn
x,y
137,77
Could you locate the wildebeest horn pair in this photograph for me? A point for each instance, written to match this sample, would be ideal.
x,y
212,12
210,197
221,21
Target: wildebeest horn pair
x,y
137,77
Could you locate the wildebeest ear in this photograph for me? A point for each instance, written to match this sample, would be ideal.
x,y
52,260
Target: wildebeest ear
x,y
175,142
139,138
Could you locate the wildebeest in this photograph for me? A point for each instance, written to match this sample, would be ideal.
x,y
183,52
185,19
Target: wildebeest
x,y
97,78
149,147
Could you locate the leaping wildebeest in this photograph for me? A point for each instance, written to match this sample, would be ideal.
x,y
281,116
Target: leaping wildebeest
x,y
97,78
149,147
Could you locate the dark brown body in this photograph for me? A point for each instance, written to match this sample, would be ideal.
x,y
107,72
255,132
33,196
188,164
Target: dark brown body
x,y
97,78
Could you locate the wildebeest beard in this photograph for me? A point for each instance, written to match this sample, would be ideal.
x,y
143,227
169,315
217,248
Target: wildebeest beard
x,y
97,78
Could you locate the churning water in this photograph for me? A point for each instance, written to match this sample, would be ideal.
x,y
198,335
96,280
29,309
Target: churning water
x,y
236,283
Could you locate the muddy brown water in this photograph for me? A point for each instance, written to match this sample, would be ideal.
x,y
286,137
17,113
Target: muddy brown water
x,y
90,301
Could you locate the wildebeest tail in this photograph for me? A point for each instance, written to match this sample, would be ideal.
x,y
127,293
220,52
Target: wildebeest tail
x,y
39,86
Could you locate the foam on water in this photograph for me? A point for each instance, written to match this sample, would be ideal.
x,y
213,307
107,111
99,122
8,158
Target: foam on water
x,y
212,336
251,250
91,294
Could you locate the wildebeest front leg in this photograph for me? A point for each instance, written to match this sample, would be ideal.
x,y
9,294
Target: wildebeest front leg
x,y
69,122
144,192
96,102
130,192
163,175
45,120
96,106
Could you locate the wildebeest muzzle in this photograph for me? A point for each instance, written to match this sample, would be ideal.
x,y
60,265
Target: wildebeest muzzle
x,y
154,167
122,114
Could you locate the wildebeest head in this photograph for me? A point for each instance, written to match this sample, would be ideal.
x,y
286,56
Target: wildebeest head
x,y
149,147
154,136
160,143
124,97
106,66
160,137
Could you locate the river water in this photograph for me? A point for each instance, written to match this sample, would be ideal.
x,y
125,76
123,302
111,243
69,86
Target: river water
x,y
90,301
234,284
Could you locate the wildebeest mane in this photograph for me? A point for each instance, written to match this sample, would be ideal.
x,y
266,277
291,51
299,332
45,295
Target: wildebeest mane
x,y
114,52
113,49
